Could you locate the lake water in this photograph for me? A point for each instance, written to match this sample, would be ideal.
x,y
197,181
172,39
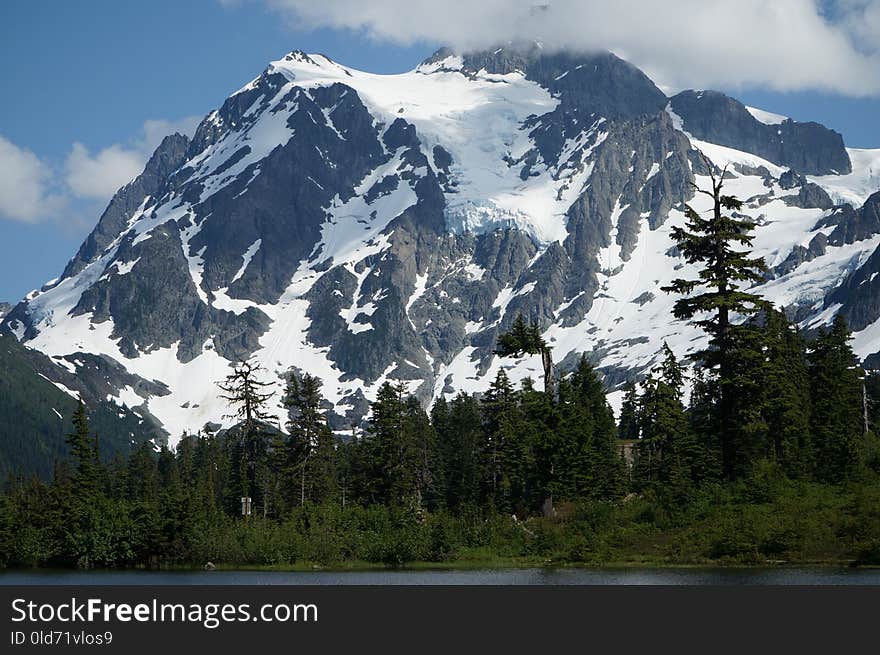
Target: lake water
x,y
657,576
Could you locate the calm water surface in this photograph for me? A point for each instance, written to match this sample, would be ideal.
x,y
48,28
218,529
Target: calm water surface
x,y
750,576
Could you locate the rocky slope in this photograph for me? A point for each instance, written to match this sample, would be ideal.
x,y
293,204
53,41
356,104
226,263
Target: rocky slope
x,y
372,227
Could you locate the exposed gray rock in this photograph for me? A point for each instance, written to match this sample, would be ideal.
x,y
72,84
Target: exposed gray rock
x,y
853,225
800,255
153,182
790,179
859,294
808,148
156,304
810,196
593,83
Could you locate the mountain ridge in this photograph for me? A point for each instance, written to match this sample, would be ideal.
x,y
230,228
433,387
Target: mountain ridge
x,y
362,228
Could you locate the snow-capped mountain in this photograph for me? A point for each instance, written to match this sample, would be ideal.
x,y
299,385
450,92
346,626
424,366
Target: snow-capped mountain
x,y
366,228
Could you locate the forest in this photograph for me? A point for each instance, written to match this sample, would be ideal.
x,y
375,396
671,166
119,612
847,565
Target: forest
x,y
758,449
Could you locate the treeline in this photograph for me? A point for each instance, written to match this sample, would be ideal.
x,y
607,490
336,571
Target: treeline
x,y
509,451
475,472
804,406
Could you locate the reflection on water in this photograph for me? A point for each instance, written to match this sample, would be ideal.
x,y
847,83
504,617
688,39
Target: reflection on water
x,y
657,576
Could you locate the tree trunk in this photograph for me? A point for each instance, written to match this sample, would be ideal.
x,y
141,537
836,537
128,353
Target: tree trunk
x,y
547,361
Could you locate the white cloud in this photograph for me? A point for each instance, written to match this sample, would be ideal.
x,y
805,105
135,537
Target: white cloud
x,y
100,175
25,181
782,45
32,189
156,130
862,19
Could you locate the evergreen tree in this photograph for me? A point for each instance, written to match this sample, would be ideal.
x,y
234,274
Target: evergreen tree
x,y
312,444
526,338
590,462
461,443
872,400
547,447
786,385
837,420
500,413
667,452
392,456
82,450
244,392
440,425
429,485
702,417
712,243
744,421
143,495
628,425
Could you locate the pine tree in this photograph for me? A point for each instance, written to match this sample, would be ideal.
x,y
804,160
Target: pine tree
x,y
546,443
591,461
712,242
702,417
245,394
667,452
628,425
82,450
143,494
836,421
461,443
143,475
872,400
746,429
526,338
439,418
311,444
391,452
499,412
786,386
416,422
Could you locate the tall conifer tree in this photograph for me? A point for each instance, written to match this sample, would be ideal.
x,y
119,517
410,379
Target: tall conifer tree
x,y
837,417
720,244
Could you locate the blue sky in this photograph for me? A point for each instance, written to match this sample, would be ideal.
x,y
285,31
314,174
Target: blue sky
x,y
90,85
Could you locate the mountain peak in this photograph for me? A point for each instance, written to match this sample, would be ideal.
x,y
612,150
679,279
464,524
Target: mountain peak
x,y
595,82
364,228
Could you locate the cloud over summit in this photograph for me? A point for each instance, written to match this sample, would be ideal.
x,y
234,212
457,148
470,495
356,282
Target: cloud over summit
x,y
783,45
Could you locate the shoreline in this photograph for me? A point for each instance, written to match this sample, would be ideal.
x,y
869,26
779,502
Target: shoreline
x,y
466,565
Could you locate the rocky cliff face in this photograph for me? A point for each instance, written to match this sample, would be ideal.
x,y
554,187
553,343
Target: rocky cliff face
x,y
365,228
808,148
